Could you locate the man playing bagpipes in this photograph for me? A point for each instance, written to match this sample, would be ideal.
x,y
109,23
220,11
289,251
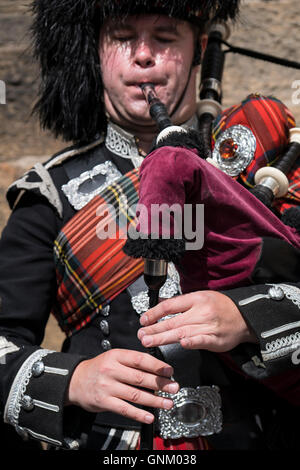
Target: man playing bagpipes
x,y
233,365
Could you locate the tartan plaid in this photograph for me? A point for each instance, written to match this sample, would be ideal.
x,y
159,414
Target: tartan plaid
x,y
270,121
91,271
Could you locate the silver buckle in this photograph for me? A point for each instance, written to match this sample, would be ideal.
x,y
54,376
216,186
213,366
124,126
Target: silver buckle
x,y
196,412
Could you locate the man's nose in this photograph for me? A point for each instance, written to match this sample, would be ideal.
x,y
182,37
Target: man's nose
x,y
144,55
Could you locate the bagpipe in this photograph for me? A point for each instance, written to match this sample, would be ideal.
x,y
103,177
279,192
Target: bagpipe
x,y
194,211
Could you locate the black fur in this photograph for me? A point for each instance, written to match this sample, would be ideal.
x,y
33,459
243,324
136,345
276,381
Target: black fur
x,y
184,9
191,140
169,250
291,217
65,42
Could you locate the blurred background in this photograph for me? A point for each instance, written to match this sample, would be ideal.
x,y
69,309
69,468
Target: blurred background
x,y
269,26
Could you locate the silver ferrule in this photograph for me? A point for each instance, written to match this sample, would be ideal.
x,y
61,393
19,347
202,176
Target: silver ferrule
x,y
155,267
211,84
271,183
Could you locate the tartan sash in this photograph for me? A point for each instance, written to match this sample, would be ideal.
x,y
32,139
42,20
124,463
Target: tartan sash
x,y
92,271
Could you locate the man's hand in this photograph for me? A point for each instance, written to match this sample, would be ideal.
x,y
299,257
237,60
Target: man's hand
x,y
110,380
209,320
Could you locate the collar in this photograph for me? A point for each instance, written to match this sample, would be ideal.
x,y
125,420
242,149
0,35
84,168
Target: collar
x,y
125,145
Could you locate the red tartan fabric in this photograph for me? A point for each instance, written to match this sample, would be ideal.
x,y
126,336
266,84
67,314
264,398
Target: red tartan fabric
x,y
270,121
197,443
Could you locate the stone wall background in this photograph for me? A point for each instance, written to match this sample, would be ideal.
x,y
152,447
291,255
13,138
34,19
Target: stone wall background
x,y
271,26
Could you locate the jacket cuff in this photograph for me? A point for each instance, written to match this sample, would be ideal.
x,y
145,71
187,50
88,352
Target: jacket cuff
x,y
272,313
35,404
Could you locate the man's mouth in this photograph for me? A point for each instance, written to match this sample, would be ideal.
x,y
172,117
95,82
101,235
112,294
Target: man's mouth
x,y
139,85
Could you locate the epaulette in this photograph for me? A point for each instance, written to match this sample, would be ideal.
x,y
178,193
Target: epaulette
x,y
39,181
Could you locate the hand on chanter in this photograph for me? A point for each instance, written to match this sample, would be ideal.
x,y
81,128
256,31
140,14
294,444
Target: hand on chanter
x,y
206,320
112,379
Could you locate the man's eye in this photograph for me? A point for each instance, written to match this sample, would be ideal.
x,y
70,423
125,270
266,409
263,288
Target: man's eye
x,y
123,38
165,39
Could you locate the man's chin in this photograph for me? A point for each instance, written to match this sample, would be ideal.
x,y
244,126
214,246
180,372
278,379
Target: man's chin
x,y
141,119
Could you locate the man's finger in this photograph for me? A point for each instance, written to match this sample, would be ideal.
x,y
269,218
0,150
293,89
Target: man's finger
x,y
142,397
165,325
169,337
139,378
129,411
145,362
208,342
171,306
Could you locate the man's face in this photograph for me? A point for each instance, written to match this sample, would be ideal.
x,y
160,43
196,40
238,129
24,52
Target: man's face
x,y
147,48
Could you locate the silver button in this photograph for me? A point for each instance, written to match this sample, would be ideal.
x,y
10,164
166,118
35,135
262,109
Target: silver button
x,y
27,403
38,368
105,311
276,293
72,444
104,326
105,344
